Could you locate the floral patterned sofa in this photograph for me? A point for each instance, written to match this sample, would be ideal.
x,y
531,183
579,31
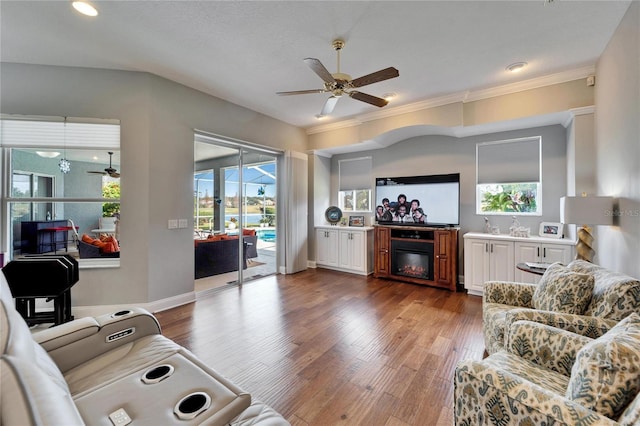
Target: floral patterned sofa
x,y
550,376
581,297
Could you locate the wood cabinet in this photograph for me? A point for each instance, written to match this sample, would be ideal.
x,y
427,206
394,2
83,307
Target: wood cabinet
x,y
444,275
382,248
348,249
494,257
437,244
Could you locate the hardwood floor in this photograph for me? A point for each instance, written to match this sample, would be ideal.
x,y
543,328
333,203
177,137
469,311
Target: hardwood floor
x,y
324,347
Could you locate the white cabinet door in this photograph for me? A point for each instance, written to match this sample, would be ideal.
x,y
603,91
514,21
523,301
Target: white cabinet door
x,y
327,247
557,253
345,249
526,252
486,260
539,252
476,265
501,261
357,251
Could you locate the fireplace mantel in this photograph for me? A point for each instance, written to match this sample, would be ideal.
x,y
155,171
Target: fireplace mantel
x,y
439,245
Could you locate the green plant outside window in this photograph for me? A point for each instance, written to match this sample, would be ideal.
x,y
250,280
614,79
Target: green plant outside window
x,y
509,198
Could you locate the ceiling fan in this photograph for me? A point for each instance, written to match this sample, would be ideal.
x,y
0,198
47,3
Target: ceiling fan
x,y
109,170
339,84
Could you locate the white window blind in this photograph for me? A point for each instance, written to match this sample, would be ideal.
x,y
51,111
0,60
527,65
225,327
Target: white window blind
x,y
509,161
355,174
53,134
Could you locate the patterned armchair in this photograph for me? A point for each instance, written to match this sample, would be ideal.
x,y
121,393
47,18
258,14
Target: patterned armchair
x,y
549,376
587,299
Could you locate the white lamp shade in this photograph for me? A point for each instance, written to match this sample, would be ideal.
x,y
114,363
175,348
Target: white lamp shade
x,y
586,210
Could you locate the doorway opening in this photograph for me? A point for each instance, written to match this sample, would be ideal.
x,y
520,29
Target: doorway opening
x,y
235,213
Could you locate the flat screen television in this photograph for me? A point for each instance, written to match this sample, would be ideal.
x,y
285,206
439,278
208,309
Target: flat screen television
x,y
428,200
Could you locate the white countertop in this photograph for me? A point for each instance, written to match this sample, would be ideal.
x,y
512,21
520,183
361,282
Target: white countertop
x,y
350,228
507,237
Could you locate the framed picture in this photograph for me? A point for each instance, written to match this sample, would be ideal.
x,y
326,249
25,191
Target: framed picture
x,y
551,230
356,220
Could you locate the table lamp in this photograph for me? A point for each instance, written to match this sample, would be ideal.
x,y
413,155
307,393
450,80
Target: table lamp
x,y
586,211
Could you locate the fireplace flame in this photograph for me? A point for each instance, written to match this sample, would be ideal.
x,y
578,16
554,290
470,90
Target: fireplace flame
x,y
414,271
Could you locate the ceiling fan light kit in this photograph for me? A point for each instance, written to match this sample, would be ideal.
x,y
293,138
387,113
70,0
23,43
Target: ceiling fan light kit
x,y
64,165
109,170
339,84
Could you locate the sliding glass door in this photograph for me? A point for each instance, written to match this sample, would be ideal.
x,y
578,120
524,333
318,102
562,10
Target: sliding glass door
x,y
235,189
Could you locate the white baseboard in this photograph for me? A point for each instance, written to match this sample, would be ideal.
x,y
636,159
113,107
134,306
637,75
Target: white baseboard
x,y
153,307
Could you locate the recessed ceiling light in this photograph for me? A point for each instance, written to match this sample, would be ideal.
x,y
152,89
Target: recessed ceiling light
x,y
48,154
516,66
84,8
389,96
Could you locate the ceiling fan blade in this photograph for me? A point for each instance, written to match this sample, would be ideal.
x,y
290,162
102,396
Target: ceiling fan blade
x,y
95,172
375,77
317,67
329,105
114,174
373,100
301,92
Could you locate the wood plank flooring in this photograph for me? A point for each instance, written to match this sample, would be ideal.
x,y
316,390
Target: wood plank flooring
x,y
328,348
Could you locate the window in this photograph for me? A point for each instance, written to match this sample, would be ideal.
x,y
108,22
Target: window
x,y
40,193
508,177
354,193
203,214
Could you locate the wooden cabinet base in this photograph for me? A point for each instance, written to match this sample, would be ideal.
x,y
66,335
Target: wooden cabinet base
x,y
418,255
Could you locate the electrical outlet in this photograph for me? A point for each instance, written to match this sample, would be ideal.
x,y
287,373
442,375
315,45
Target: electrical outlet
x,y
182,223
173,224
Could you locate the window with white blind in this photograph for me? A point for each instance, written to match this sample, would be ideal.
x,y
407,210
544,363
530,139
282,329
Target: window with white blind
x,y
509,177
354,191
56,175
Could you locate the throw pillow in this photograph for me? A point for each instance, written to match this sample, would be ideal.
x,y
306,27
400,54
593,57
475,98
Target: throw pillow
x,y
563,290
606,374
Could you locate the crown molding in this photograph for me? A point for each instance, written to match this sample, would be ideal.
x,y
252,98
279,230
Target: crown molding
x,y
334,126
414,107
464,97
533,83
591,109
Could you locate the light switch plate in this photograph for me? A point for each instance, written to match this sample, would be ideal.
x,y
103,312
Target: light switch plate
x,y
182,223
173,223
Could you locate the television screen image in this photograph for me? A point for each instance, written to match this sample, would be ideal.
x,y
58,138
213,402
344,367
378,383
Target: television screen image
x,y
418,200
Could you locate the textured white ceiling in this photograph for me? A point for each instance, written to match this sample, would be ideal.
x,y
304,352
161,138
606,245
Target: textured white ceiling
x,y
246,51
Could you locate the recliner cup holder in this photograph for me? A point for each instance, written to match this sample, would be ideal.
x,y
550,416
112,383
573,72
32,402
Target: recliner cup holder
x,y
157,374
121,313
192,405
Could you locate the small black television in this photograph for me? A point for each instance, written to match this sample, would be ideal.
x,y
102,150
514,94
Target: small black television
x,y
428,200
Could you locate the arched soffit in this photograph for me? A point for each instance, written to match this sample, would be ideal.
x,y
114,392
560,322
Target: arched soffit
x,y
394,136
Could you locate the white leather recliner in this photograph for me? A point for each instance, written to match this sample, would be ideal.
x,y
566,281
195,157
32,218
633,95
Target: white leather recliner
x,y
109,370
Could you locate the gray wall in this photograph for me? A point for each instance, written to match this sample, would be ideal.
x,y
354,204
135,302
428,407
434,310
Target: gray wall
x,y
429,155
618,143
157,119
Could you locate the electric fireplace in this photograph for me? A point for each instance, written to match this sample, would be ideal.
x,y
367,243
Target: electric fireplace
x,y
412,259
